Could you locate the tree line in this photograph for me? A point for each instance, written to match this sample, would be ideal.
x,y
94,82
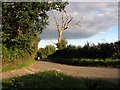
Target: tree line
x,y
100,51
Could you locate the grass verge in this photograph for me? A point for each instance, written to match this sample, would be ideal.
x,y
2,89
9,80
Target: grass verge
x,y
9,67
87,62
54,79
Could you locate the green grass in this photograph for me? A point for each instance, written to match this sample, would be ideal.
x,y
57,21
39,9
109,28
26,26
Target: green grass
x,y
87,62
9,67
54,79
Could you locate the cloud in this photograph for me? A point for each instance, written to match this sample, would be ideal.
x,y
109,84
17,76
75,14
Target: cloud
x,y
97,18
74,13
100,15
101,32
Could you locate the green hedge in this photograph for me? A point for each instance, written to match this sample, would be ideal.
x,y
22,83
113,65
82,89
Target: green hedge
x,y
101,51
44,52
87,62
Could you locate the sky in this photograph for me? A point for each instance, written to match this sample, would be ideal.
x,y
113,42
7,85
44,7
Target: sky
x,y
99,24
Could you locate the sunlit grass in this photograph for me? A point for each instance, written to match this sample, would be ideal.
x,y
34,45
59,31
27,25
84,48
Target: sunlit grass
x,y
87,62
54,79
9,66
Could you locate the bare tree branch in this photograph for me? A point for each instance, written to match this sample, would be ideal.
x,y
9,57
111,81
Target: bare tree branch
x,y
62,20
75,24
57,23
78,25
52,41
66,14
69,21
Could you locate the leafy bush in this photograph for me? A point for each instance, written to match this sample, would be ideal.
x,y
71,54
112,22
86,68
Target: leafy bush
x,y
116,55
50,49
63,44
44,52
71,47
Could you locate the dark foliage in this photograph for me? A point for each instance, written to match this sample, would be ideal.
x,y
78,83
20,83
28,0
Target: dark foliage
x,y
100,51
22,23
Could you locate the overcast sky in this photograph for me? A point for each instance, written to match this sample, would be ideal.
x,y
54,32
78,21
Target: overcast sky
x,y
98,18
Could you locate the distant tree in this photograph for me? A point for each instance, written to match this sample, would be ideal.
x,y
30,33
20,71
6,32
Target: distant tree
x,y
50,49
44,52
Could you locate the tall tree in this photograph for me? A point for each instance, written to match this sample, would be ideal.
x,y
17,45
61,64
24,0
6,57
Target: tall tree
x,y
23,22
65,24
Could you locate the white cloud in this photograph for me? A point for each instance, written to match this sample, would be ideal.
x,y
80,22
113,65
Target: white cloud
x,y
108,12
97,18
100,15
101,32
74,13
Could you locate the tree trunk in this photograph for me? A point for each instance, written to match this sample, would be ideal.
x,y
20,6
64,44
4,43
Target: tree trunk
x,y
59,38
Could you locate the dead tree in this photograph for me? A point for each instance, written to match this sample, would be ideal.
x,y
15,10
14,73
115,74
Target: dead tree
x,y
65,24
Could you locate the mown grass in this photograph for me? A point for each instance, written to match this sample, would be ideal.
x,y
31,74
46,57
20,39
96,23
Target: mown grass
x,y
10,66
54,79
87,62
